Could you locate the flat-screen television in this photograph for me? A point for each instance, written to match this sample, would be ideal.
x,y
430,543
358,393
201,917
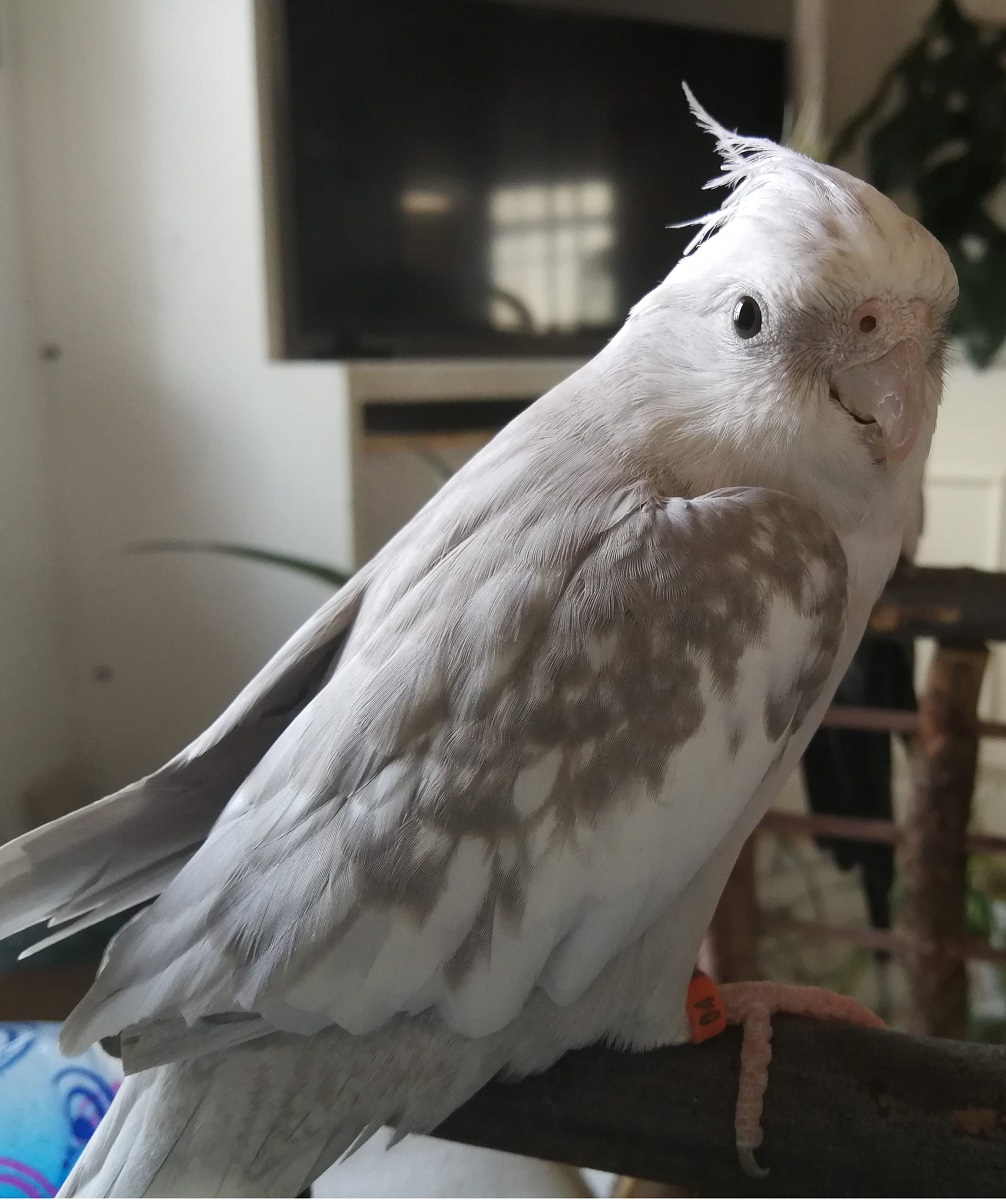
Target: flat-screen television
x,y
494,178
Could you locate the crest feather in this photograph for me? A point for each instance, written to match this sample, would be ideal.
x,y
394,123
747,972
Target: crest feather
x,y
747,162
738,153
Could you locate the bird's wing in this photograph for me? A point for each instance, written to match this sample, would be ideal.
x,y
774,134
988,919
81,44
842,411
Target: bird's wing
x,y
109,856
523,756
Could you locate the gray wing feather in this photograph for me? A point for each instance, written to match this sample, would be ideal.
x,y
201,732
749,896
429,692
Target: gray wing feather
x,y
116,898
122,850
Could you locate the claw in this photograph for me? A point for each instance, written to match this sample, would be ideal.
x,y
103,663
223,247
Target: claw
x,y
750,1164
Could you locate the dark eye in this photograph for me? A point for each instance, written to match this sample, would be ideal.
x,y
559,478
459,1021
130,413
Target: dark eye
x,y
747,317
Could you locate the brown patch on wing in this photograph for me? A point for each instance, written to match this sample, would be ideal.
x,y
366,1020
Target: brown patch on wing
x,y
604,669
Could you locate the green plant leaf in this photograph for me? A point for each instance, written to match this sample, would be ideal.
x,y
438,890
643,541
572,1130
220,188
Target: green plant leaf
x,y
978,914
851,971
303,566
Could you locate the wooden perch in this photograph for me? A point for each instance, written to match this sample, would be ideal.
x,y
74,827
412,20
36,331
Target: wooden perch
x,y
974,948
935,847
860,829
958,603
848,1112
889,720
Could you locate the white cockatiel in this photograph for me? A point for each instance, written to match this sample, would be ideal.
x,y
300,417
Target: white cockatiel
x,y
480,808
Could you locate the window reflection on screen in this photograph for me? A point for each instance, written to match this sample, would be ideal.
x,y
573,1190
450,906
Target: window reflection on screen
x,y
550,265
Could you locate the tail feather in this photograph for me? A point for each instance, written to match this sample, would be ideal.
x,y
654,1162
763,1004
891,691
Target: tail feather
x,y
268,1117
187,1130
161,1042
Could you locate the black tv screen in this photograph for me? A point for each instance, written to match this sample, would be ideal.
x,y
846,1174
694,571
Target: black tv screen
x,y
484,178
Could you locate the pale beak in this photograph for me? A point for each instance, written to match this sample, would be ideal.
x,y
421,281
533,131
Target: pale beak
x,y
890,391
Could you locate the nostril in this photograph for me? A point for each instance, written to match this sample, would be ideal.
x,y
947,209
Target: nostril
x,y
868,324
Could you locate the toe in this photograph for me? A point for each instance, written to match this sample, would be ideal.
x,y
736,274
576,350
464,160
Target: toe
x,y
740,998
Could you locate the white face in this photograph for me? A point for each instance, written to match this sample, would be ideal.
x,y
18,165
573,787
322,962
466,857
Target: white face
x,y
859,367
812,327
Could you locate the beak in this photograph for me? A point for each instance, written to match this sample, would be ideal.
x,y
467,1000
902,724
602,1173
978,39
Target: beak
x,y
890,391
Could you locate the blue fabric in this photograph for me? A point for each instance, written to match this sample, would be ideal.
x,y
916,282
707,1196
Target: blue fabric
x,y
49,1106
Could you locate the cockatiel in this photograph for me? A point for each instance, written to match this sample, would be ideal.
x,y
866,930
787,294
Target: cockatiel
x,y
479,810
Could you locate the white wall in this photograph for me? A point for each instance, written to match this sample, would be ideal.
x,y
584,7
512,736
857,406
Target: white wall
x,y
137,124
34,722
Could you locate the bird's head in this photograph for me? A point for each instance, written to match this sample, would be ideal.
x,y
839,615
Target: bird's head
x,y
807,325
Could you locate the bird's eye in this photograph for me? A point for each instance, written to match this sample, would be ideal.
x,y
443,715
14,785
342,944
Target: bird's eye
x,y
747,317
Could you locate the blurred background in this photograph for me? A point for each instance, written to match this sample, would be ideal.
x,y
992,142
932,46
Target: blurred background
x,y
269,271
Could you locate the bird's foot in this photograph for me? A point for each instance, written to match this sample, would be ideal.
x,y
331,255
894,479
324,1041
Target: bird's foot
x,y
752,1006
